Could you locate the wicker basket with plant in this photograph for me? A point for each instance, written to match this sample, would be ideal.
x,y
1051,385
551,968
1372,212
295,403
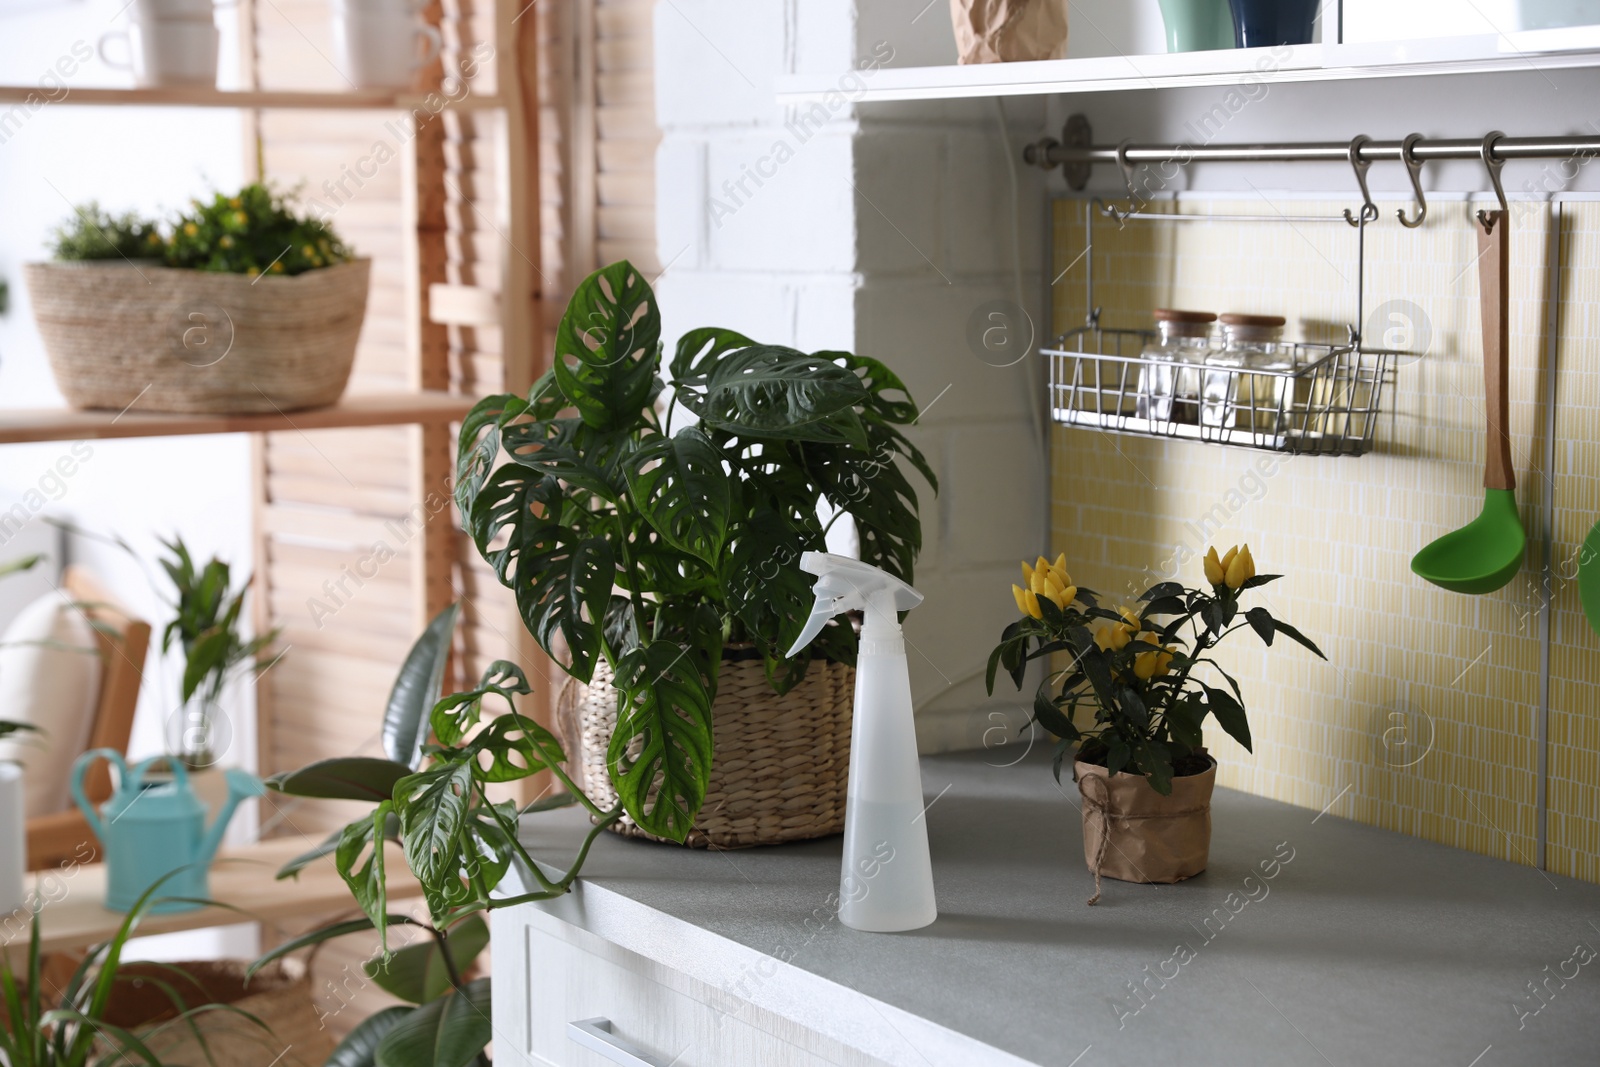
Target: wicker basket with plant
x,y
243,306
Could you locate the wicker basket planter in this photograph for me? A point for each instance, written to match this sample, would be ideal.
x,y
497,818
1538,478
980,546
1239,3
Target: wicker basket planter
x,y
782,762
198,341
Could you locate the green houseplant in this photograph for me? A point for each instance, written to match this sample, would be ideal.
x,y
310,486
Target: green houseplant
x,y
649,548
45,1026
244,305
205,627
93,233
1148,676
432,797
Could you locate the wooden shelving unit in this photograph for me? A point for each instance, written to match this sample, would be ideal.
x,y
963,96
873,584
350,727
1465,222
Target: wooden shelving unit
x,y
450,212
353,100
21,425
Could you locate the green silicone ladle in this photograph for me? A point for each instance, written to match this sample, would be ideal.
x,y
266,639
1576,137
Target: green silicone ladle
x,y
1486,553
1589,577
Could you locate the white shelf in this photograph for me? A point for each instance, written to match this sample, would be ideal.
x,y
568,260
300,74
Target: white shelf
x,y
1298,63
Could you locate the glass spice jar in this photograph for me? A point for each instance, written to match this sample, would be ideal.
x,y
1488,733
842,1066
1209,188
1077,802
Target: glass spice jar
x,y
1169,376
1232,396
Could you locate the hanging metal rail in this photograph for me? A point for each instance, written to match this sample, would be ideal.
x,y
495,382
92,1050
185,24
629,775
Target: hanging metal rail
x,y
1075,153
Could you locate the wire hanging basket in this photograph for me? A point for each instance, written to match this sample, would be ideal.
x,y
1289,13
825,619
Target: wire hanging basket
x,y
1326,401
1327,405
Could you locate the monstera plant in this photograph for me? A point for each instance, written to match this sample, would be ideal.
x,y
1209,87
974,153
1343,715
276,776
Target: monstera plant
x,y
649,546
431,793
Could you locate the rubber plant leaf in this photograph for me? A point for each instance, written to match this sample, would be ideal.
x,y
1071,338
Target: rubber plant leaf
x,y
342,778
448,1032
416,688
417,973
360,1046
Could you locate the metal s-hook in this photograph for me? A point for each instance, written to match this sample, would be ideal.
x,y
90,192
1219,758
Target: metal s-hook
x,y
1492,165
1369,210
1414,172
1127,180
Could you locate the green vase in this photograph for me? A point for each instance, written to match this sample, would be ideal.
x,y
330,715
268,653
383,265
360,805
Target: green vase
x,y
1197,25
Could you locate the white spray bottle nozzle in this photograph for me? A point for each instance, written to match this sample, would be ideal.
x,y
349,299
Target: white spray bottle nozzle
x,y
845,584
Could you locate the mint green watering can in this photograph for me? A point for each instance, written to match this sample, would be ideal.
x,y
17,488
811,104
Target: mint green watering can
x,y
149,829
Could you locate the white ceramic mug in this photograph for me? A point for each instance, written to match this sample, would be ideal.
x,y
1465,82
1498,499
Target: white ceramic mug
x,y
174,10
377,7
168,52
379,51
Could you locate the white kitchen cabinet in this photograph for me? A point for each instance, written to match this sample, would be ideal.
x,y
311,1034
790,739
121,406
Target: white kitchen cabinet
x,y
563,975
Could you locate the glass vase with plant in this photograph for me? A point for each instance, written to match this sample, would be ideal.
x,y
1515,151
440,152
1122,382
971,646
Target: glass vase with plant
x,y
206,627
651,548
1147,677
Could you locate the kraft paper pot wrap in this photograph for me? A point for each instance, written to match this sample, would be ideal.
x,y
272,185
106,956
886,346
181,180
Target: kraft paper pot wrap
x,y
1007,31
1133,833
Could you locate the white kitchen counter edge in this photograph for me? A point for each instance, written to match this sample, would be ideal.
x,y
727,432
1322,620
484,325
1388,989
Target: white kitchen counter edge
x,y
836,1011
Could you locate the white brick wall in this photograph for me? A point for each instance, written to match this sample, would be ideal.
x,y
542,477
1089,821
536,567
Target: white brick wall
x,y
882,229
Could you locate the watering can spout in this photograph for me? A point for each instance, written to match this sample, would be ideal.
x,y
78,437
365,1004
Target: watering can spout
x,y
241,784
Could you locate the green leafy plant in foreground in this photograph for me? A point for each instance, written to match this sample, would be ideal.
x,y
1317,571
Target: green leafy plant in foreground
x,y
431,797
41,1026
1135,667
649,549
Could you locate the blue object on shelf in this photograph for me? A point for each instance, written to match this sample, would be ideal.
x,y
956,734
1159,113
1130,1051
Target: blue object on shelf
x,y
151,829
1268,23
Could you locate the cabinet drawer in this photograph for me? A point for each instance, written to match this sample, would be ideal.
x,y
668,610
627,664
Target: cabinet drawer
x,y
568,981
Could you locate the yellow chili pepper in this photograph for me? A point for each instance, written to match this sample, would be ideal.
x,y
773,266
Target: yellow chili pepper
x,y
1027,602
1215,572
1241,568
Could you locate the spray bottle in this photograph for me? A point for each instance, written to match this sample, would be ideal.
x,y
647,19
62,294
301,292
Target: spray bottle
x,y
886,883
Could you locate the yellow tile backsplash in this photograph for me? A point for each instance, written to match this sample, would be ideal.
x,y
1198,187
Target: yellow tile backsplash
x,y
1425,719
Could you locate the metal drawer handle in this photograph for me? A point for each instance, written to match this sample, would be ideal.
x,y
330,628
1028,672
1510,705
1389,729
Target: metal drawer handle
x,y
596,1036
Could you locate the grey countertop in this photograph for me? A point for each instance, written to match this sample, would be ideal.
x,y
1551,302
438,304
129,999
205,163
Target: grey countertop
x,y
1365,947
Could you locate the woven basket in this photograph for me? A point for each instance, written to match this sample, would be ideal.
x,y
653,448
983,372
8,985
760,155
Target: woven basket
x,y
781,761
279,995
198,341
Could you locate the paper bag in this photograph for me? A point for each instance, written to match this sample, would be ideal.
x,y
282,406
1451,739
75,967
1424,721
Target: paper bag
x,y
1133,833
1008,31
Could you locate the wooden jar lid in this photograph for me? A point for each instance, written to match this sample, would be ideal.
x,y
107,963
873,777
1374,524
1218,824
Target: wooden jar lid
x,y
1173,315
1271,321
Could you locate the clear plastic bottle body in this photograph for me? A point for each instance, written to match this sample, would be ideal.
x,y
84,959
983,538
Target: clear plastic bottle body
x,y
886,873
1169,376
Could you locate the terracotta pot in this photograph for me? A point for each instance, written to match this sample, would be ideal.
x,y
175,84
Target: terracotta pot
x,y
1134,834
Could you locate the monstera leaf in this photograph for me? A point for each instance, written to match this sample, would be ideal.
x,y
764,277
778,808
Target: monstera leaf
x,y
562,582
680,488
608,346
770,392
660,751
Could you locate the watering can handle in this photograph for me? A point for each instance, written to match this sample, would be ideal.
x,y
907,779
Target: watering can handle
x,y
81,768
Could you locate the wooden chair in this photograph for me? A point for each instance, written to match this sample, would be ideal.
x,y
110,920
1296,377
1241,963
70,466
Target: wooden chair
x,y
64,838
